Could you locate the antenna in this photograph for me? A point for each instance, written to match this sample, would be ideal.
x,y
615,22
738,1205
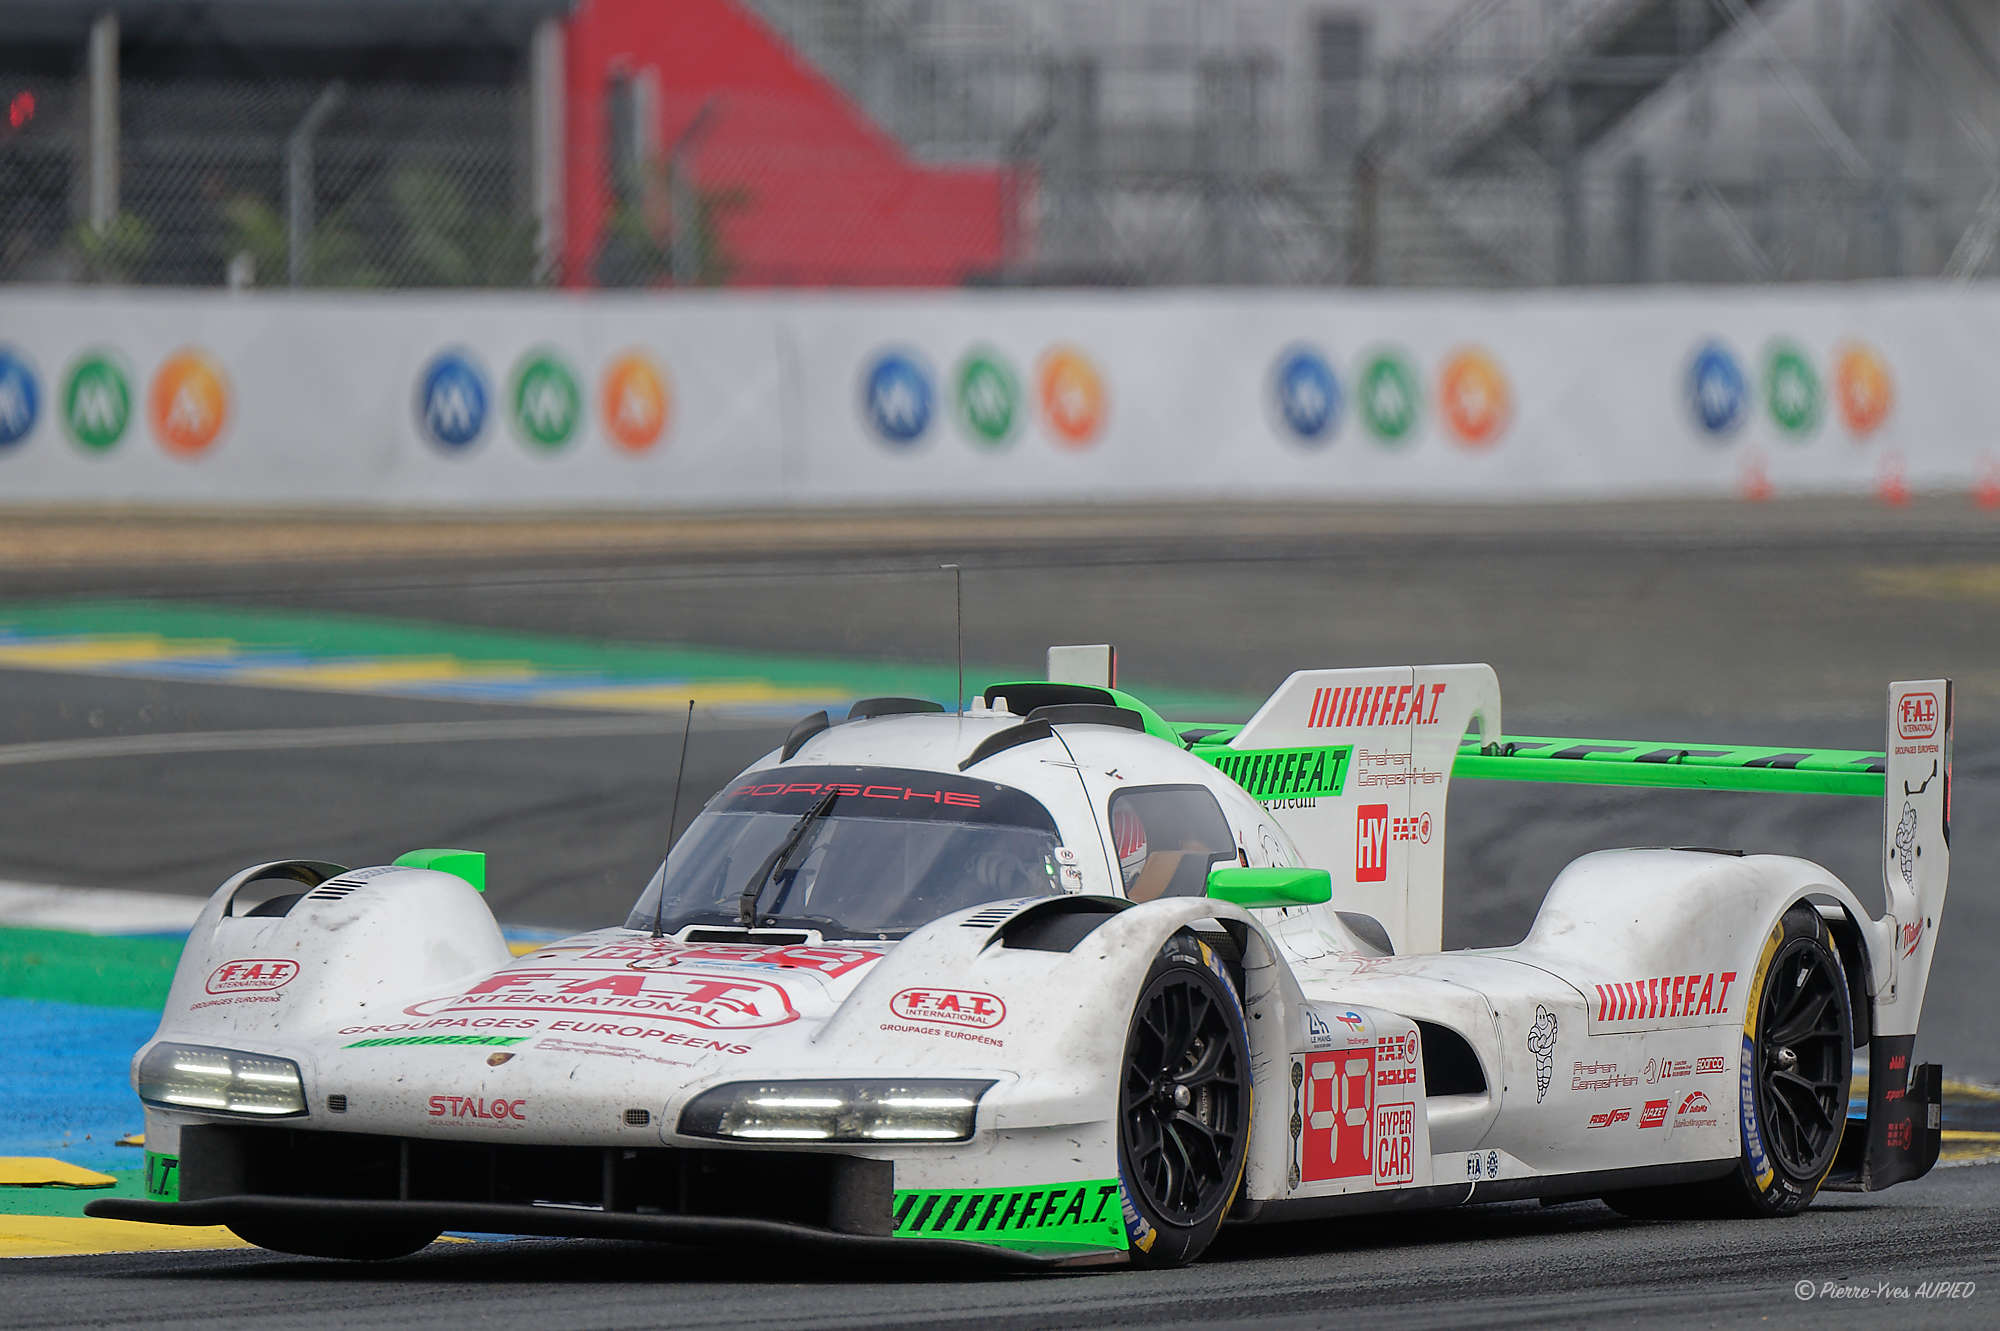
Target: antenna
x,y
958,630
673,813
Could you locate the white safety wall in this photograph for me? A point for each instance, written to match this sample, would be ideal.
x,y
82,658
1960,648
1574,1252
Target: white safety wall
x,y
756,400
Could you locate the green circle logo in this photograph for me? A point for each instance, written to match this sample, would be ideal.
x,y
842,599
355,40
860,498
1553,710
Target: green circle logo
x,y
1388,397
989,397
547,403
1791,389
96,401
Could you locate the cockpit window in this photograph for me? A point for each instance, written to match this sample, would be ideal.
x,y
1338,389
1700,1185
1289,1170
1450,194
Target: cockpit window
x,y
875,853
1167,838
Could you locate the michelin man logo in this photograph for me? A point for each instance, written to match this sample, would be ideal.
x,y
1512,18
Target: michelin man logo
x,y
1906,844
1542,1044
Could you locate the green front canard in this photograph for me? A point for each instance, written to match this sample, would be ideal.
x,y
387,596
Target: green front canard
x,y
1050,1215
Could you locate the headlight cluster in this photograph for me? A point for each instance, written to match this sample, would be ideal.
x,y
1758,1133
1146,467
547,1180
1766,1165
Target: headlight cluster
x,y
837,1111
221,1081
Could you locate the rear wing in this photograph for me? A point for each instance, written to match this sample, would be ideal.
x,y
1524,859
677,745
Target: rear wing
x,y
1356,766
1911,776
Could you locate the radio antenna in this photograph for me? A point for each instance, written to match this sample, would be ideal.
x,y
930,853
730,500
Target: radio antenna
x,y
958,631
673,813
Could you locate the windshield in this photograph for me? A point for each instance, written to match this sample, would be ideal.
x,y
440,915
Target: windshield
x,y
894,850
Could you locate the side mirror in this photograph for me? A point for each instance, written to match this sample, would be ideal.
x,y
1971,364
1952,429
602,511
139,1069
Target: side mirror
x,y
1263,888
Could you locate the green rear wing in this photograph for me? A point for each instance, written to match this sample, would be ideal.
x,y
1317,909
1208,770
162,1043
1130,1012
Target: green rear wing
x,y
1601,762
1589,762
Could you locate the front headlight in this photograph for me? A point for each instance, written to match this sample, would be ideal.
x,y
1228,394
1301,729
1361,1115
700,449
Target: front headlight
x,y
837,1111
220,1081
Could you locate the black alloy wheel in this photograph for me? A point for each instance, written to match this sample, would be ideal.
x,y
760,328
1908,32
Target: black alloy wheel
x,y
1804,1057
1183,1105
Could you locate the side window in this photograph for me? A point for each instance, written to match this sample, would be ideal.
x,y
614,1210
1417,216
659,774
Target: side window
x,y
1167,837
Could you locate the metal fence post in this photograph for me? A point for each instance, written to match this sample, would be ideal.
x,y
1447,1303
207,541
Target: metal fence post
x,y
299,181
102,62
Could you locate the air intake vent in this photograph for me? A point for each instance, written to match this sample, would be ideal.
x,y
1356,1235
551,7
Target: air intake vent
x,y
336,1104
333,890
997,913
638,1118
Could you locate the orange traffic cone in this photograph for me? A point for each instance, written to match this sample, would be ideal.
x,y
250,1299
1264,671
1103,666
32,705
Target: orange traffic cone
x,y
1987,492
1754,485
1890,487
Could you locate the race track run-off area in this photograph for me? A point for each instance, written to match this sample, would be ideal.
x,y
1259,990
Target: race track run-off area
x,y
161,729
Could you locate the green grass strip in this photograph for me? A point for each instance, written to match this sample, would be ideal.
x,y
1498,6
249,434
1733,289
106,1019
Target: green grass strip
x,y
71,1201
84,968
333,635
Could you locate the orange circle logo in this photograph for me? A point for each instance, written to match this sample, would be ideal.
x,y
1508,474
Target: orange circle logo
x,y
1473,397
1863,388
189,403
1072,396
634,401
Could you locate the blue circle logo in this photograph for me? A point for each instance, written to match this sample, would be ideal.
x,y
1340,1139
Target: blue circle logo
x,y
20,397
1308,394
896,397
1716,390
451,400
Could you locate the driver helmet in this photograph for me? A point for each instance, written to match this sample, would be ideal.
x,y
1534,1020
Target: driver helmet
x,y
1130,834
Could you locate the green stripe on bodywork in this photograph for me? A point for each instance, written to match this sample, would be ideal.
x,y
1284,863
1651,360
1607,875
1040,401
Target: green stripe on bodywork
x,y
1605,762
399,1041
1272,774
1053,1215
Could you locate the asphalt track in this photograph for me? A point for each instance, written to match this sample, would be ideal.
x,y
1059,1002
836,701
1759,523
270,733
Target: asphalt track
x,y
1692,625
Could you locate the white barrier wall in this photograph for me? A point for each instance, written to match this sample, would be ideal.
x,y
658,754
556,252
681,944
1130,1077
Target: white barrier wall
x,y
753,400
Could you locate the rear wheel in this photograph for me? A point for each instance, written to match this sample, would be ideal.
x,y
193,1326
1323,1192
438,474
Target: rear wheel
x,y
361,1243
1183,1105
1798,1052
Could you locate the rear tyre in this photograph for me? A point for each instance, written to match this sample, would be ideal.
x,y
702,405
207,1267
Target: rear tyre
x,y
1797,1060
360,1244
1183,1105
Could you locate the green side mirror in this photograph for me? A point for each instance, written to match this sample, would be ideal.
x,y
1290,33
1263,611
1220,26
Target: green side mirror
x,y
1262,888
467,864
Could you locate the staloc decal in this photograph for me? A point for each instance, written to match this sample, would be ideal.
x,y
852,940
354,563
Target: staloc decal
x,y
1084,1214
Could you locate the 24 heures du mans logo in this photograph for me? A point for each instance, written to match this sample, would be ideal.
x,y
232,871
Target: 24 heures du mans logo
x,y
950,1007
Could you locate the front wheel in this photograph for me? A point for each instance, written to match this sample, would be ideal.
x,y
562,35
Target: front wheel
x,y
1183,1105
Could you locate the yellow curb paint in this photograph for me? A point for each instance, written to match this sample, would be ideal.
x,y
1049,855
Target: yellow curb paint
x,y
41,1171
79,1236
131,1139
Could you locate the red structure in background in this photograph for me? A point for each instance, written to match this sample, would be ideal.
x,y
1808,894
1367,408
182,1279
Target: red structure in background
x,y
821,196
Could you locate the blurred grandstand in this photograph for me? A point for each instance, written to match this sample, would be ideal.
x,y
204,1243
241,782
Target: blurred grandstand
x,y
435,143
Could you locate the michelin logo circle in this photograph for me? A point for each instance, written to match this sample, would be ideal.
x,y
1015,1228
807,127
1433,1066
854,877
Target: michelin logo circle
x,y
896,397
451,400
1308,395
1716,392
20,397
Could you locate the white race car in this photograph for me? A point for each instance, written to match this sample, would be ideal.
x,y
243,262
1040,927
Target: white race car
x,y
1053,980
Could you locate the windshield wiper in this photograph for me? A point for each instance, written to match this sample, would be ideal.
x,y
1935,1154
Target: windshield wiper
x,y
746,904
